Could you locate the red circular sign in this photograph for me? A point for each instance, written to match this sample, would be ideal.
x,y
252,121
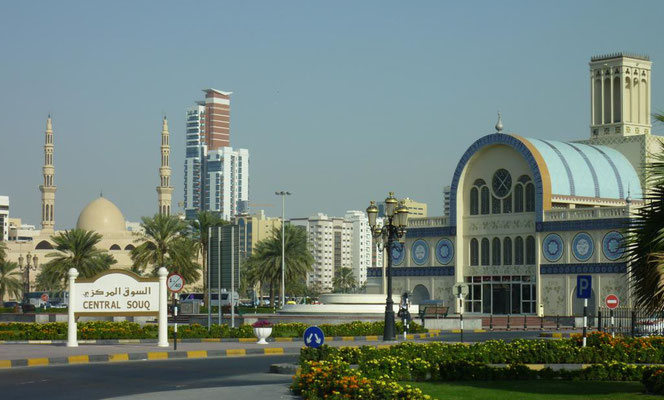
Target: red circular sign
x,y
44,297
612,301
175,282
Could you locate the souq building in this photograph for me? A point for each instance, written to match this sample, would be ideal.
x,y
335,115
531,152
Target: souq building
x,y
528,215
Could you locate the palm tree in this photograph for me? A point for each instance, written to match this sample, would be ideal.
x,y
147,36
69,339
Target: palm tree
x,y
10,279
3,251
645,241
165,244
201,233
76,249
344,280
264,265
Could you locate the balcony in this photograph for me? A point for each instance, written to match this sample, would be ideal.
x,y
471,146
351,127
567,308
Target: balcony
x,y
586,213
428,222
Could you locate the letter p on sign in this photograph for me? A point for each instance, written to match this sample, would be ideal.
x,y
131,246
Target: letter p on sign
x,y
583,286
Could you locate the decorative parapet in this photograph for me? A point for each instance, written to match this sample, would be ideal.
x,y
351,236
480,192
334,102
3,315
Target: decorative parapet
x,y
586,213
429,221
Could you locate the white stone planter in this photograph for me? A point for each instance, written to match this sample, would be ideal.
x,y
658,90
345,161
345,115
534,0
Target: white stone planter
x,y
262,334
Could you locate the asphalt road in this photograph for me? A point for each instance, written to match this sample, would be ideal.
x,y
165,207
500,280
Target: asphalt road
x,y
211,378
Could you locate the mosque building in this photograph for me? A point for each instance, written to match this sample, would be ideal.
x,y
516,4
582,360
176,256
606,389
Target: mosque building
x,y
100,215
528,215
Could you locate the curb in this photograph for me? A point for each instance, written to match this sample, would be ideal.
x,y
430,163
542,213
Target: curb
x,y
559,335
468,331
369,338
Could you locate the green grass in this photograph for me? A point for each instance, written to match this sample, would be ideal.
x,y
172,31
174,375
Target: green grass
x,y
534,390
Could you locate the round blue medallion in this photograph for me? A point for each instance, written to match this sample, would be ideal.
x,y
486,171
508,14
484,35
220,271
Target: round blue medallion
x,y
444,251
397,253
612,245
419,252
582,246
552,247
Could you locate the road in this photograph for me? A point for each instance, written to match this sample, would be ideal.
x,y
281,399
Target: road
x,y
213,378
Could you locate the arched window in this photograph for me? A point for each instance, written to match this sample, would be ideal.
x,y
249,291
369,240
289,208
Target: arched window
x,y
495,205
474,252
507,204
495,252
530,250
518,250
43,245
518,198
485,251
115,247
507,251
474,201
129,247
530,197
485,200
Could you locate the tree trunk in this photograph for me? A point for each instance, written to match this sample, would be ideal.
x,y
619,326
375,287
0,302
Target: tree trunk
x,y
271,294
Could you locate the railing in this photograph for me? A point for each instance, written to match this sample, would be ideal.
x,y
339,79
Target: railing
x,y
424,222
586,213
627,321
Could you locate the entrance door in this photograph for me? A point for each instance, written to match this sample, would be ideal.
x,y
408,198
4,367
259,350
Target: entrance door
x,y
501,298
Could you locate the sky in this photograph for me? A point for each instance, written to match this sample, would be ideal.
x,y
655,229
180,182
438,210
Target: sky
x,y
338,102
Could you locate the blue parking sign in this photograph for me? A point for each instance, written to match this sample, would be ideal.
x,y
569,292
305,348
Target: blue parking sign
x,y
584,285
314,337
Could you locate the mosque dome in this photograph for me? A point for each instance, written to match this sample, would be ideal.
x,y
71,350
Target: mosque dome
x,y
102,216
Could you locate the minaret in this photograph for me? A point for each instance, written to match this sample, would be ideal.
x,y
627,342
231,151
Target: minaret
x,y
164,190
48,188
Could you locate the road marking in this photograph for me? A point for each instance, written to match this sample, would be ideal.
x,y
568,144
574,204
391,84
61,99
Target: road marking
x,y
211,340
236,352
347,338
371,338
274,350
283,339
33,362
157,355
5,364
197,354
78,359
118,357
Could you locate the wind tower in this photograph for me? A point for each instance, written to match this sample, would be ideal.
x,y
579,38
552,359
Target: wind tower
x,y
48,187
164,190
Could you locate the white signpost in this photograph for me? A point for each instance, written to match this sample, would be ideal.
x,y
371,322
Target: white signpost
x,y
117,293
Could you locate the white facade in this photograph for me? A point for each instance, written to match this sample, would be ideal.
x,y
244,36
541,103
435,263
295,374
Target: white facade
x,y
360,244
195,155
4,218
226,185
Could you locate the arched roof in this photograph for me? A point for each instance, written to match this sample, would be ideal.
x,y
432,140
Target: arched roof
x,y
587,170
102,216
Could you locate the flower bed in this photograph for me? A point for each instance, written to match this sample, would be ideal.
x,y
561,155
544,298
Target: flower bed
x,y
130,330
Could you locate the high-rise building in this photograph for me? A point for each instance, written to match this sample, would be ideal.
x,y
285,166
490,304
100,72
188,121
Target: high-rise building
x,y
361,240
216,177
4,218
415,208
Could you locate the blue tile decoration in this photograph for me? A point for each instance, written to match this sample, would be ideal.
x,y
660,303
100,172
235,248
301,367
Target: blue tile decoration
x,y
552,247
612,245
419,252
582,246
412,271
398,253
589,268
583,225
431,232
497,138
444,251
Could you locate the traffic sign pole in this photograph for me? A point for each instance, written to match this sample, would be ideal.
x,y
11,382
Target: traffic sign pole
x,y
613,334
175,327
585,320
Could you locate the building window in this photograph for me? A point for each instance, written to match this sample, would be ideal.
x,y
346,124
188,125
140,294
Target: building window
x,y
474,200
530,197
518,198
507,204
485,200
530,250
518,250
507,251
495,252
495,205
474,252
485,251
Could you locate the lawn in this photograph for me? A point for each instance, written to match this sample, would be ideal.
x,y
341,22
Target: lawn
x,y
534,390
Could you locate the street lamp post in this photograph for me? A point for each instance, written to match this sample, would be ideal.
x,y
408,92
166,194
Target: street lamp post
x,y
393,229
32,263
283,195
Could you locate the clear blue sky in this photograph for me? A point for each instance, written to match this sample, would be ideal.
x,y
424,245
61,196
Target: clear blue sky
x,y
338,102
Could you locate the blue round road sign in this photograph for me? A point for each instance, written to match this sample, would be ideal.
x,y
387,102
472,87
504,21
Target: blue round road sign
x,y
313,337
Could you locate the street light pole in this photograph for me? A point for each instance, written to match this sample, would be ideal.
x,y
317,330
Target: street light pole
x,y
32,264
283,195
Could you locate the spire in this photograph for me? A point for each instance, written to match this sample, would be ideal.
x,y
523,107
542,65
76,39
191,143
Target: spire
x,y
164,125
628,199
164,190
48,188
499,124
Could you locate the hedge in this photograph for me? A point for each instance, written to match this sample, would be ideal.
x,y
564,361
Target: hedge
x,y
131,330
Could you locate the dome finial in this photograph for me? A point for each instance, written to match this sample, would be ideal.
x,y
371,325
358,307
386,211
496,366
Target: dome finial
x,y
628,199
499,124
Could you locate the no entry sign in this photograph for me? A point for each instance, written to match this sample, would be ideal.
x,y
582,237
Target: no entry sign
x,y
612,301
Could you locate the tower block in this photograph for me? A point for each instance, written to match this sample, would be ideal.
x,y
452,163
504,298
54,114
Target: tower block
x,y
48,187
164,190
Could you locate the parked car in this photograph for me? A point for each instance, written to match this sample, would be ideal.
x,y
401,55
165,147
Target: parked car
x,y
10,304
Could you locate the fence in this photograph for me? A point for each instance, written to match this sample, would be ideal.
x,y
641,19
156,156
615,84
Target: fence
x,y
627,321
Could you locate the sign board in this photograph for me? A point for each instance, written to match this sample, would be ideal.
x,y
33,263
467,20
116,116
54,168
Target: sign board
x,y
175,283
117,292
460,289
583,286
314,337
44,297
612,301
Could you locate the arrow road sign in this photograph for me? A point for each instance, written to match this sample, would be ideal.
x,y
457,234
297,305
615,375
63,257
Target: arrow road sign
x,y
314,337
612,301
583,286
